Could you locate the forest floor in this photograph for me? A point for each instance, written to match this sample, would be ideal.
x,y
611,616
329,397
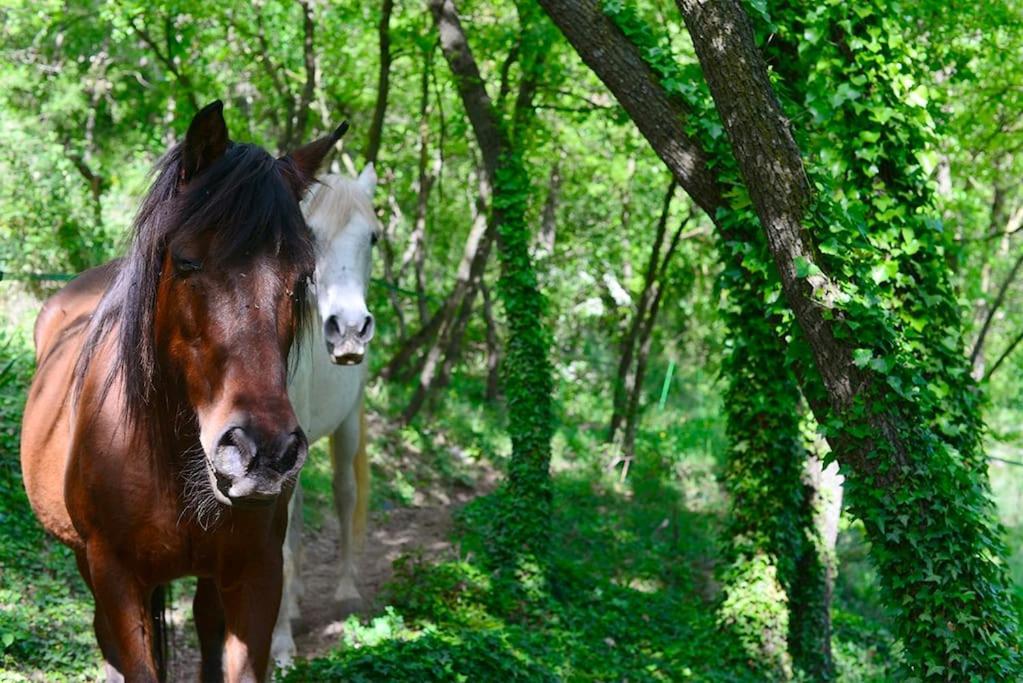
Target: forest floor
x,y
422,529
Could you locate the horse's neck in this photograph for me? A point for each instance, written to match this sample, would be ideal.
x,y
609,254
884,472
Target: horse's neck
x,y
323,394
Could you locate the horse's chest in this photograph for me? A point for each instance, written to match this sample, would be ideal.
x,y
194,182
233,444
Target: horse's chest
x,y
323,394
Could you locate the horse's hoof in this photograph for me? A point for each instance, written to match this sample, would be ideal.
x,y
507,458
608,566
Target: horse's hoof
x,y
346,590
284,661
352,605
283,652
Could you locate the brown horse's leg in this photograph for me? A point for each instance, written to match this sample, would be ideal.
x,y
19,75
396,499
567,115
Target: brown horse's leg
x,y
123,626
209,622
104,636
250,604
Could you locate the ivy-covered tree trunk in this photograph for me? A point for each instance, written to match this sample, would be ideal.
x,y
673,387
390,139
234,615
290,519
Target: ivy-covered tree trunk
x,y
924,502
772,536
525,368
816,569
774,584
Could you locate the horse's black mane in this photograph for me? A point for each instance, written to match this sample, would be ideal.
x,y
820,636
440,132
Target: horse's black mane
x,y
244,204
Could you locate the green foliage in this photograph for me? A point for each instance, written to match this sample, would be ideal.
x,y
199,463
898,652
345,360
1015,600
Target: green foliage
x,y
770,527
45,609
871,128
522,533
429,656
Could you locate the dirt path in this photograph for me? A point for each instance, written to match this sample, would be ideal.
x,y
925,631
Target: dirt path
x,y
425,529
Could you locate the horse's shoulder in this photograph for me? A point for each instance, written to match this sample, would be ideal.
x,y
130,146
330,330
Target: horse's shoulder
x,y
75,302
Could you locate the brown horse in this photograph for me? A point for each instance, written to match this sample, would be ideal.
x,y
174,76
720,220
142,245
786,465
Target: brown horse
x,y
158,439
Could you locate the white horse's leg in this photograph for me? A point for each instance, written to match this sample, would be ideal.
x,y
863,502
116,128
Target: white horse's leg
x,y
345,444
293,542
282,647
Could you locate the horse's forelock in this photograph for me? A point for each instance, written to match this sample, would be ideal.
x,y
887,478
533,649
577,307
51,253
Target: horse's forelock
x,y
244,197
332,203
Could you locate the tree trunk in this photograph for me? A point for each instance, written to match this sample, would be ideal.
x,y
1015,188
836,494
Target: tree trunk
x,y
815,573
415,253
376,126
474,259
659,117
549,221
625,374
976,356
526,372
391,278
924,521
645,338
434,367
297,129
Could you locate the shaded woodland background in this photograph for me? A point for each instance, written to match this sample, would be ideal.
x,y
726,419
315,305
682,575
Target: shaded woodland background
x,y
578,295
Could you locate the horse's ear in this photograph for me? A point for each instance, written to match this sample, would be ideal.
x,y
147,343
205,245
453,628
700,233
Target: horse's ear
x,y
307,159
205,142
368,179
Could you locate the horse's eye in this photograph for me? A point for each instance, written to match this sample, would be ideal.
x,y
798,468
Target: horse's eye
x,y
374,238
186,265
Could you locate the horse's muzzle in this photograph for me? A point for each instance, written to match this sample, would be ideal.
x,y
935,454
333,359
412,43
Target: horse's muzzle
x,y
348,352
250,472
346,342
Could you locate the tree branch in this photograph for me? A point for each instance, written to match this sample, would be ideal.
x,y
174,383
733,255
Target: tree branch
x,y
660,118
376,126
167,59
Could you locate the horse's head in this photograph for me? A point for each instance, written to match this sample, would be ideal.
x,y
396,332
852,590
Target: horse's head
x,y
220,264
340,212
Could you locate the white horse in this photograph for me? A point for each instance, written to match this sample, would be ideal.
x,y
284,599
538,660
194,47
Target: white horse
x,y
326,389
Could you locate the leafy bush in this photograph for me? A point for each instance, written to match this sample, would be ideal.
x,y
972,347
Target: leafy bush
x,y
45,609
462,656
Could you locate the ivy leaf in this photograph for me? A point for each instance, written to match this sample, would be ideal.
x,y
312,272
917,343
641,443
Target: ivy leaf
x,y
862,356
805,268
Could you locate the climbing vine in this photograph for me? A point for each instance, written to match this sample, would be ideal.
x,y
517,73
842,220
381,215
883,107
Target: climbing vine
x,y
523,527
770,531
911,438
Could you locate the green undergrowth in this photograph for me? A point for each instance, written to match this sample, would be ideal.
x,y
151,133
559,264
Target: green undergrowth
x,y
630,588
626,599
45,608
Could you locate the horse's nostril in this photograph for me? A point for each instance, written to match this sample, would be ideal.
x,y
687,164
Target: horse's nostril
x,y
288,455
332,328
228,439
234,453
367,327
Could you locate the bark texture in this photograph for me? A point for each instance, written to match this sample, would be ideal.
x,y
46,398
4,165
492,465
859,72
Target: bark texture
x,y
659,117
376,126
924,503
